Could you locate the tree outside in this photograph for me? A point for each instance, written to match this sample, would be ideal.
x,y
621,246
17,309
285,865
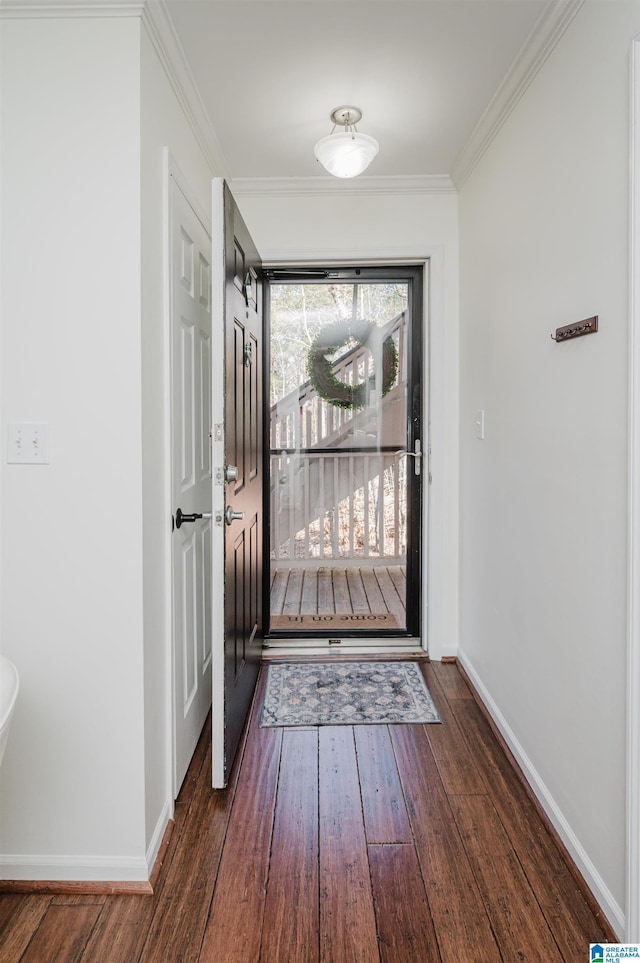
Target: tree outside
x,y
300,311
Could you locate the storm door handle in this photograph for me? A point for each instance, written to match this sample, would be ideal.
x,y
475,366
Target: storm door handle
x,y
416,454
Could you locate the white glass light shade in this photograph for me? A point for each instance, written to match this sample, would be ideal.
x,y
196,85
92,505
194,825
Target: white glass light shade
x,y
346,153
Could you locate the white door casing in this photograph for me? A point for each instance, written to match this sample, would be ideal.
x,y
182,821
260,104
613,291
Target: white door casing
x,y
439,618
190,299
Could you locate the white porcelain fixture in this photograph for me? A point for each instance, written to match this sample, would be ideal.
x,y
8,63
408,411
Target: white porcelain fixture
x,y
347,153
9,685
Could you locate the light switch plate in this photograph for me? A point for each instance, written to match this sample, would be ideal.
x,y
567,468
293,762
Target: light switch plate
x,y
28,444
480,424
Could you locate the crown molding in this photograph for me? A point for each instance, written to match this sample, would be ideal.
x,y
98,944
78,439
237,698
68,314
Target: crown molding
x,y
154,15
322,186
546,33
54,9
160,30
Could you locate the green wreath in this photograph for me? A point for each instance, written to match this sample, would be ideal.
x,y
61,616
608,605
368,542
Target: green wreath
x,y
335,336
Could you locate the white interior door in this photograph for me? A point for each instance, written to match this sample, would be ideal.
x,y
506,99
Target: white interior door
x,y
191,475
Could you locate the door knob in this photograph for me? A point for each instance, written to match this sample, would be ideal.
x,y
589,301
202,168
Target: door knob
x,y
231,516
181,517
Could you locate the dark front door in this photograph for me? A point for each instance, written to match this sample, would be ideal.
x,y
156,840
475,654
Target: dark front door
x,y
241,480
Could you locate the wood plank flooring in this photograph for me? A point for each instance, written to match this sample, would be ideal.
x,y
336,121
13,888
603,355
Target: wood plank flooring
x,y
320,590
363,844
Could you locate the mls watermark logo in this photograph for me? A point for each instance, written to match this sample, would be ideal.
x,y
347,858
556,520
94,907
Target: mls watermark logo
x,y
613,952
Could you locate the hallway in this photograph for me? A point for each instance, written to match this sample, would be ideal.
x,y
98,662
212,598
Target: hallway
x,y
366,844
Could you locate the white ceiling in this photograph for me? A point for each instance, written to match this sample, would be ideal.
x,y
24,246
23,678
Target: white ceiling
x,y
269,72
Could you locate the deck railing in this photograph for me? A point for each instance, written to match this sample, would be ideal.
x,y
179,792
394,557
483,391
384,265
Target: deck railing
x,y
338,505
332,498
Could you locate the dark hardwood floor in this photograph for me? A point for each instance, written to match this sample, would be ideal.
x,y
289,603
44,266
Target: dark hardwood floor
x,y
363,844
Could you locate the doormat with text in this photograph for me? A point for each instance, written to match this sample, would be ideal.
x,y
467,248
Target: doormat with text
x,y
355,620
346,693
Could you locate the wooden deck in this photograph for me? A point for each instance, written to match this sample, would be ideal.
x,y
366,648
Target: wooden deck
x,y
365,844
319,590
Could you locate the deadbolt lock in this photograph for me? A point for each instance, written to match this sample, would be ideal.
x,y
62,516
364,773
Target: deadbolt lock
x,y
231,473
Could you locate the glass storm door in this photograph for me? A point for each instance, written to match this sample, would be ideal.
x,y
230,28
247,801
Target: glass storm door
x,y
345,454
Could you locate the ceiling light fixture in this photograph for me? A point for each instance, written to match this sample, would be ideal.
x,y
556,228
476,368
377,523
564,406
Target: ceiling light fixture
x,y
347,153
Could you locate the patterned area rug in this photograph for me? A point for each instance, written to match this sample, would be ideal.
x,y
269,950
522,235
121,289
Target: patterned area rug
x,y
346,693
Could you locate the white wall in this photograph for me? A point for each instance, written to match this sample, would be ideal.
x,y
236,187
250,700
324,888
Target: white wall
x,y
163,125
87,113
383,226
72,781
544,243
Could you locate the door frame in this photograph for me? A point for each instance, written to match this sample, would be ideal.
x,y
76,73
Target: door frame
x,y
171,172
353,273
434,562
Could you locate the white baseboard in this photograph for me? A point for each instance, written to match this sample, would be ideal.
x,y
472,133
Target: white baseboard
x,y
158,835
74,868
590,874
121,869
